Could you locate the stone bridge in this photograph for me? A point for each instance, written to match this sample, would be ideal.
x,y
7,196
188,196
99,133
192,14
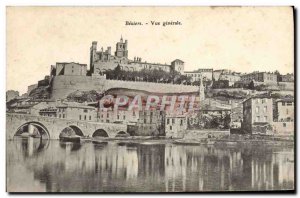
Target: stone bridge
x,y
52,127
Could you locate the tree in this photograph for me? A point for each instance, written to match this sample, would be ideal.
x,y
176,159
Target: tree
x,y
251,85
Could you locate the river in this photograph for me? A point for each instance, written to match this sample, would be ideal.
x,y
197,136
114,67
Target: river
x,y
52,166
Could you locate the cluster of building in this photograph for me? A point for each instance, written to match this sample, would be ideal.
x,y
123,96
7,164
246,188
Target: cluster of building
x,y
265,115
261,115
231,78
104,60
255,115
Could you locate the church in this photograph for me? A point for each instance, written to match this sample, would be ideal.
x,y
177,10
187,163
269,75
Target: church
x,y
102,61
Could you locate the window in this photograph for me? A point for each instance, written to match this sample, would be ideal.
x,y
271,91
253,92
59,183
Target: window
x,y
118,117
173,121
84,117
144,120
263,101
284,124
85,110
107,115
107,121
265,109
79,117
283,103
257,118
59,116
287,111
101,115
289,104
257,110
168,120
265,118
150,120
171,128
63,115
133,113
181,122
124,117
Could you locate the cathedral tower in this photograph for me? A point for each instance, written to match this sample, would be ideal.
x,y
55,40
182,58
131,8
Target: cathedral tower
x,y
121,49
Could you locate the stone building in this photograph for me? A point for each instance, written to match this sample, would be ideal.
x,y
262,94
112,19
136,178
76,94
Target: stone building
x,y
175,126
266,77
206,74
121,115
151,123
102,61
76,111
231,78
48,112
69,69
257,115
284,124
285,109
30,106
217,73
286,78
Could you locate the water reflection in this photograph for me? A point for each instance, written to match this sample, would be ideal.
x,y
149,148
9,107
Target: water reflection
x,y
113,166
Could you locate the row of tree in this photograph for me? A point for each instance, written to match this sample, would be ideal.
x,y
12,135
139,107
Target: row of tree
x,y
159,76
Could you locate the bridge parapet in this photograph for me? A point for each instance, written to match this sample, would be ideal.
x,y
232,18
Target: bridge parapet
x,y
54,126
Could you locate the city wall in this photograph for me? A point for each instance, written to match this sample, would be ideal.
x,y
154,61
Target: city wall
x,y
64,85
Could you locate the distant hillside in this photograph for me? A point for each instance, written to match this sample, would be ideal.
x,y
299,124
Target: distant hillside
x,y
42,92
82,96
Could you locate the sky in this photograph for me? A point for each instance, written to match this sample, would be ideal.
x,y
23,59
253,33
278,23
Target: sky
x,y
242,39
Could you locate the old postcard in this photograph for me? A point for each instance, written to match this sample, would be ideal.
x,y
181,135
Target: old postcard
x,y
150,99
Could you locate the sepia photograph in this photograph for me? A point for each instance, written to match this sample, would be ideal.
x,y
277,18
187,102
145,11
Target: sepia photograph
x,y
132,99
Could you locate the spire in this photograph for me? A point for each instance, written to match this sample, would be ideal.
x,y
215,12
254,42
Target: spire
x,y
201,90
121,40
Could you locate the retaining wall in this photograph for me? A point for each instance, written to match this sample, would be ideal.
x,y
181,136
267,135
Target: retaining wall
x,y
64,85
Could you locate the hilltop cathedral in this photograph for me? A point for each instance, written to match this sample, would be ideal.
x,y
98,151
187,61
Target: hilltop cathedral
x,y
102,61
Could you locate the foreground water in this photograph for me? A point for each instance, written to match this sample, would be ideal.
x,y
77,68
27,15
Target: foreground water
x,y
53,166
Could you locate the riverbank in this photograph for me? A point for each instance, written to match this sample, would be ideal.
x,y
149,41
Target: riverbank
x,y
224,141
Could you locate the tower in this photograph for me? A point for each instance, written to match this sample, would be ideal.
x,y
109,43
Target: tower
x,y
93,51
177,65
121,49
201,90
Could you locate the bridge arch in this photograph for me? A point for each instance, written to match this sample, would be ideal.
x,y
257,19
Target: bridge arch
x,y
122,134
42,130
100,133
75,129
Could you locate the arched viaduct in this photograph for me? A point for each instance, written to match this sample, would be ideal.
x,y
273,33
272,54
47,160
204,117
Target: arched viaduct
x,y
54,126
